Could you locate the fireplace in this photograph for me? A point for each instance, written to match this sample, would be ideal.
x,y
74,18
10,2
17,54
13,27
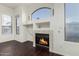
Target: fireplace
x,y
42,40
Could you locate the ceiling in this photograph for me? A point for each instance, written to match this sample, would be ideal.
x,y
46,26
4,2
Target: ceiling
x,y
13,5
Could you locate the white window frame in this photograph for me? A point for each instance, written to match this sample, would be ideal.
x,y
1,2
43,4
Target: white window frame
x,y
4,25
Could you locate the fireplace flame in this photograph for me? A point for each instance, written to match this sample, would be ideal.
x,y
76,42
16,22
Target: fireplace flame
x,y
43,41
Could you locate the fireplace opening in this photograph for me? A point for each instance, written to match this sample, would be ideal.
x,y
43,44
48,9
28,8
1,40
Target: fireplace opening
x,y
42,40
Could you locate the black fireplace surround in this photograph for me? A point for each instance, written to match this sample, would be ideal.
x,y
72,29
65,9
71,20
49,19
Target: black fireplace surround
x,y
42,37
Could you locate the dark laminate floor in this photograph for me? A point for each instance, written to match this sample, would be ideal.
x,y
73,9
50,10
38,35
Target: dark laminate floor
x,y
15,48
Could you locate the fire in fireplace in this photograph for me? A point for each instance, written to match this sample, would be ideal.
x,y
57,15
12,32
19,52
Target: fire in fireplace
x,y
42,40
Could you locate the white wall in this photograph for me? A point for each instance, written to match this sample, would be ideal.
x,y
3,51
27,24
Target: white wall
x,y
22,36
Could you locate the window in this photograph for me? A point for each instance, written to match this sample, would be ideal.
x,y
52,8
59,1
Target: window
x,y
17,24
72,22
6,24
41,13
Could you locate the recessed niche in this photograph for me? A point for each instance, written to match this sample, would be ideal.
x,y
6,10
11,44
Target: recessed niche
x,y
43,25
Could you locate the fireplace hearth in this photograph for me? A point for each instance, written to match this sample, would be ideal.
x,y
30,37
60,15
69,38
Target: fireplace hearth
x,y
42,40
